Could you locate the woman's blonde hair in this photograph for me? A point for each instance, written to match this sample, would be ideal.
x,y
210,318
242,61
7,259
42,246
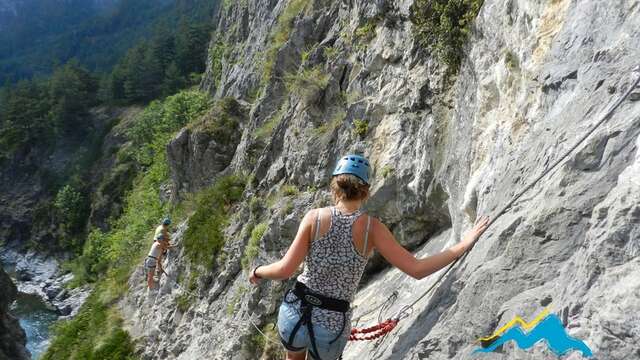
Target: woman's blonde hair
x,y
348,187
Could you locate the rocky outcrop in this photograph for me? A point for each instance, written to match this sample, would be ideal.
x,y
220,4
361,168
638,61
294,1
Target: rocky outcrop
x,y
12,337
202,152
42,276
535,76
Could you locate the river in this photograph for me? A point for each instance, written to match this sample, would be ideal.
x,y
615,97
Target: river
x,y
35,318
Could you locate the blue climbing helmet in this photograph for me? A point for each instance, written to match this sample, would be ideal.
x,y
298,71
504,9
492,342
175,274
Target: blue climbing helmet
x,y
354,165
166,221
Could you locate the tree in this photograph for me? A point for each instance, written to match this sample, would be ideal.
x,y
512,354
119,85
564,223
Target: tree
x,y
191,47
72,90
173,80
24,117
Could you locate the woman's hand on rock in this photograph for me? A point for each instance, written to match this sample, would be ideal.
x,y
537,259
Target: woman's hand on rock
x,y
478,229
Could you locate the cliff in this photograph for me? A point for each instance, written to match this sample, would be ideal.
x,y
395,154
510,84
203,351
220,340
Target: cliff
x,y
320,79
12,336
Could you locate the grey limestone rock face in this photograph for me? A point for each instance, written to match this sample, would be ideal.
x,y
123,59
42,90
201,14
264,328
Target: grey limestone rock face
x,y
536,75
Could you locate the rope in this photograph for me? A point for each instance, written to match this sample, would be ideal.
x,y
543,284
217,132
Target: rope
x,y
265,336
407,309
375,331
385,305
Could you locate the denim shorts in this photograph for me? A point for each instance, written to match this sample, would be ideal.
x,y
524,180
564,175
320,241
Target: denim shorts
x,y
150,263
330,345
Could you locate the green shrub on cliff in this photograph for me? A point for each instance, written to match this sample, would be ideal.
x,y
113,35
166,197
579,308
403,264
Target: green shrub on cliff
x,y
253,247
94,334
280,35
204,237
161,119
308,83
444,26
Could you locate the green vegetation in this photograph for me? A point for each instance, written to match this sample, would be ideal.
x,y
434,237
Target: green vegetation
x,y
331,53
231,306
283,191
255,205
329,126
94,334
186,299
267,348
156,125
444,26
37,115
266,129
226,4
223,121
289,190
45,33
39,111
251,251
511,60
184,302
304,56
360,127
158,67
71,208
72,91
387,170
280,35
204,238
307,82
108,257
216,55
116,251
353,97
367,31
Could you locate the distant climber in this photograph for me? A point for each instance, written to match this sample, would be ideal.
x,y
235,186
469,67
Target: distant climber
x,y
155,257
336,242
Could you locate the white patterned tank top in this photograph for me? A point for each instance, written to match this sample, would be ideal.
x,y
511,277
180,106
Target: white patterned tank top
x,y
333,268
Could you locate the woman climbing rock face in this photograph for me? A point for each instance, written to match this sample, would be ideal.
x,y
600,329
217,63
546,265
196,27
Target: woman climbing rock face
x,y
336,242
154,258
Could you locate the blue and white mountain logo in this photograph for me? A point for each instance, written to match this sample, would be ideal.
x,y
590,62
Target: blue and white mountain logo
x,y
545,327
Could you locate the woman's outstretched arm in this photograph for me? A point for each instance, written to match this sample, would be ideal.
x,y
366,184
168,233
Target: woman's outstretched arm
x,y
286,267
398,256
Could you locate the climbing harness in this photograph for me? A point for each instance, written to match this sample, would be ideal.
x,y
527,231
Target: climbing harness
x,y
406,310
308,300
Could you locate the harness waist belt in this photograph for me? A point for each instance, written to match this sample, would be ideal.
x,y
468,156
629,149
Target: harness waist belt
x,y
153,257
308,300
302,292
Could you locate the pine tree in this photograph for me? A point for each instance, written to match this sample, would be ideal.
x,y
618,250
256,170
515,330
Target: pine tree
x,y
191,47
173,80
72,91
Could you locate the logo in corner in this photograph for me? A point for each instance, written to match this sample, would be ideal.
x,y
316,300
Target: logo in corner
x,y
544,327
